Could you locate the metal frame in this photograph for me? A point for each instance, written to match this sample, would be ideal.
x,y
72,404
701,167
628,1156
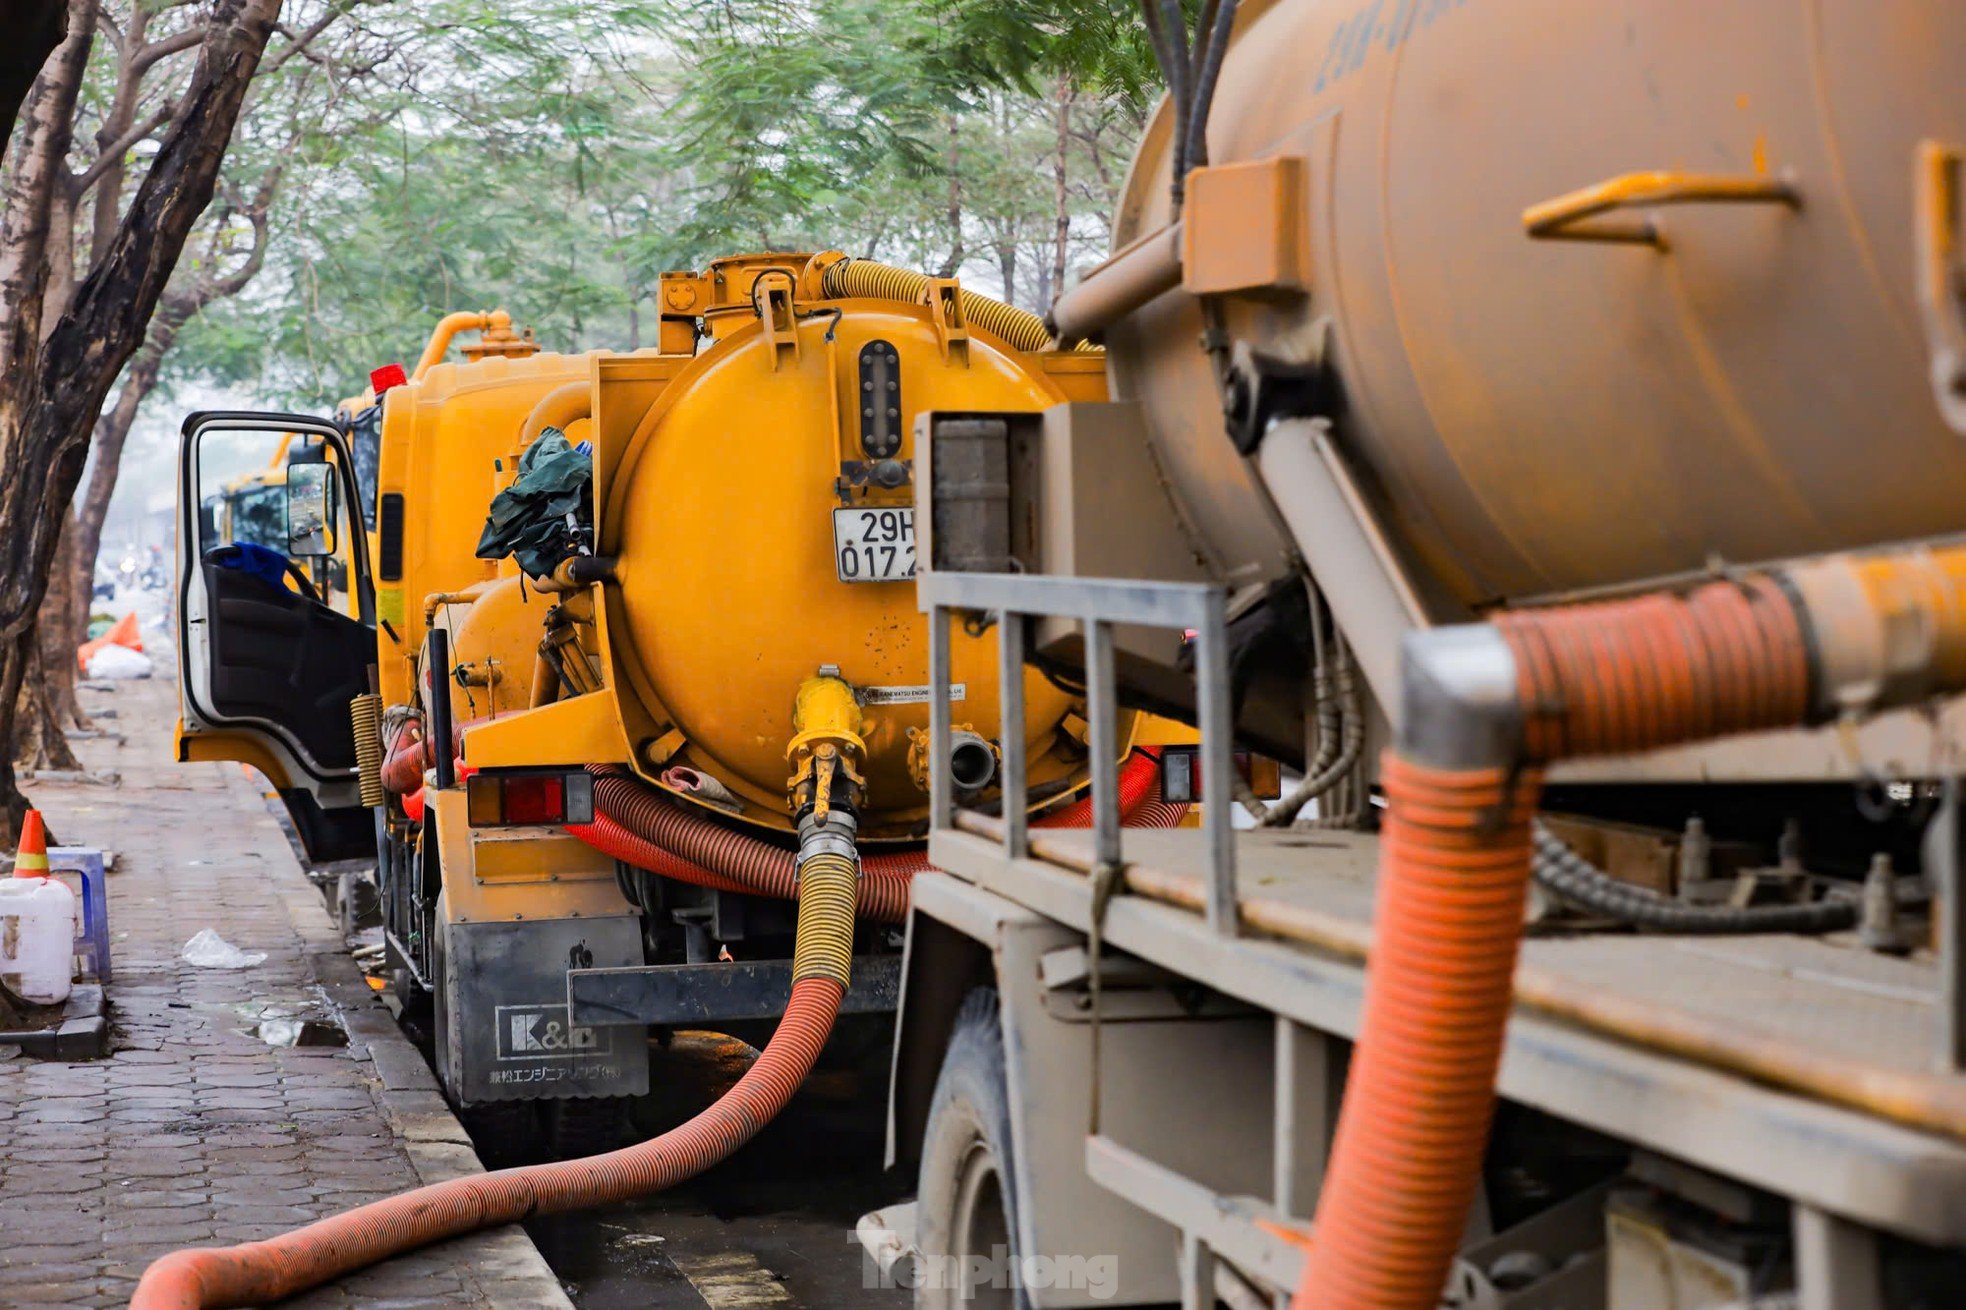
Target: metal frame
x,y
676,994
1096,604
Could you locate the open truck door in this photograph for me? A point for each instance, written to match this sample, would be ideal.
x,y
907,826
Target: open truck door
x,y
276,614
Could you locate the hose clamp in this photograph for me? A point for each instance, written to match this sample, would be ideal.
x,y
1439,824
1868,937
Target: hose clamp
x,y
833,835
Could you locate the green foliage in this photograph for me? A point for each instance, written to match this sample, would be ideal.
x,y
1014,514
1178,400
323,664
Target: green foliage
x,y
554,158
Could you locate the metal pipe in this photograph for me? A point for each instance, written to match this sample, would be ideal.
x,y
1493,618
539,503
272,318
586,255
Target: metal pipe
x,y
437,664
1350,559
1100,738
1145,269
1010,728
447,329
558,408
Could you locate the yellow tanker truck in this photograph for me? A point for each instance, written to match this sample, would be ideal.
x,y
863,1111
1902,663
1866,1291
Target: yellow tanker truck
x,y
594,765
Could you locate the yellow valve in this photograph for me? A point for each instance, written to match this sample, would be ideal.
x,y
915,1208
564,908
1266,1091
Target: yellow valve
x,y
826,727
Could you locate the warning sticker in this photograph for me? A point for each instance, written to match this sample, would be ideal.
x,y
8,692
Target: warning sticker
x,y
908,695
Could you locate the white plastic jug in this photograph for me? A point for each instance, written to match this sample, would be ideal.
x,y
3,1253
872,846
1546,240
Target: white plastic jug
x,y
37,938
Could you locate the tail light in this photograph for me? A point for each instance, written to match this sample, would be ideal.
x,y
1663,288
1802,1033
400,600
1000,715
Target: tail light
x,y
512,800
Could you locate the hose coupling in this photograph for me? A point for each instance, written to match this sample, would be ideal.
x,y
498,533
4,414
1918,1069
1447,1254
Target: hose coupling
x,y
973,759
826,747
832,834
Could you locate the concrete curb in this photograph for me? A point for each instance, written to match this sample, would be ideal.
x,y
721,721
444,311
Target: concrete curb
x,y
507,1267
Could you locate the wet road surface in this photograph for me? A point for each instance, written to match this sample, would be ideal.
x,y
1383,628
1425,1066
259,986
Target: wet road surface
x,y
772,1226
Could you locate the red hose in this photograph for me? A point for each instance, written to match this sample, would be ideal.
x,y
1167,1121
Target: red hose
x,y
1139,784
882,896
256,1273
640,825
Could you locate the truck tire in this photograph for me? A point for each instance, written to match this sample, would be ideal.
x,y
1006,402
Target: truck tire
x,y
966,1210
580,1127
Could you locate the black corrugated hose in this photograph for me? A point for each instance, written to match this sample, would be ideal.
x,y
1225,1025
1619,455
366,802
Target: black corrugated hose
x,y
1568,876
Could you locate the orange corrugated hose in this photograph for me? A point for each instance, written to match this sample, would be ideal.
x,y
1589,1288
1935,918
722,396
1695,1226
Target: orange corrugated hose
x,y
1454,868
256,1273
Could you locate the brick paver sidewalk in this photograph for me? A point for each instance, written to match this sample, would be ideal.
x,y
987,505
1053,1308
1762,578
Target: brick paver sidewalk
x,y
195,1131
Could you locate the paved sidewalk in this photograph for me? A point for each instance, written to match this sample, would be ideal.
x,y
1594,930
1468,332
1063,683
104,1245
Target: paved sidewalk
x,y
195,1131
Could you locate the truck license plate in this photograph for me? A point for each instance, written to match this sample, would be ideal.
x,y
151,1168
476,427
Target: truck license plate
x,y
874,545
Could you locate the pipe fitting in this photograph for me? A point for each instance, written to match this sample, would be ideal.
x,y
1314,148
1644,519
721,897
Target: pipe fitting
x,y
972,761
1461,705
1884,629
833,834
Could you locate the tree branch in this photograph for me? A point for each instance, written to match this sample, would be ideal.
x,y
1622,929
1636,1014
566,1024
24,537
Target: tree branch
x,y
188,39
112,153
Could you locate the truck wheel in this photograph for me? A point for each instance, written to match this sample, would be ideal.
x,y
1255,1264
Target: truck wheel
x,y
576,1128
966,1208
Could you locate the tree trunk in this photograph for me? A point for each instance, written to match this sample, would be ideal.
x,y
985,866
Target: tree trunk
x,y
955,210
39,169
1061,196
36,27
1007,266
65,613
38,739
112,434
50,396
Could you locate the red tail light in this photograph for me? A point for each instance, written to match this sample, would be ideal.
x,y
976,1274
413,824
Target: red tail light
x,y
510,800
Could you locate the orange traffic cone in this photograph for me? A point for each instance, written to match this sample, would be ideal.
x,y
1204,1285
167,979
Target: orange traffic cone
x,y
31,859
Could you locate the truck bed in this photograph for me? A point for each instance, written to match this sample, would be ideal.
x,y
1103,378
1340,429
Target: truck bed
x,y
1804,1065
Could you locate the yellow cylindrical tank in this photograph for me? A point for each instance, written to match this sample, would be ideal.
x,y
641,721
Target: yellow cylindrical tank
x,y
720,514
495,629
1531,413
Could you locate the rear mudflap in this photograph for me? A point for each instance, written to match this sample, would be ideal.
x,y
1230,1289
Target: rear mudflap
x,y
508,1038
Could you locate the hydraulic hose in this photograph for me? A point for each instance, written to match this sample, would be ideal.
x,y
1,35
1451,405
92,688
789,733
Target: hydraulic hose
x,y
257,1273
1020,329
1461,787
1567,875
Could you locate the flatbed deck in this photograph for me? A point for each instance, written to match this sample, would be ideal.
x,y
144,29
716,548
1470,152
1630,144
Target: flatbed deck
x,y
1803,1066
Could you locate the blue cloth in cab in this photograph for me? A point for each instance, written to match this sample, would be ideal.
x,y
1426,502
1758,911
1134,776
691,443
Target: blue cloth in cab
x,y
268,565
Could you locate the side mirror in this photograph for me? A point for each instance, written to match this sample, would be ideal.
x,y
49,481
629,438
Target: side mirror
x,y
310,510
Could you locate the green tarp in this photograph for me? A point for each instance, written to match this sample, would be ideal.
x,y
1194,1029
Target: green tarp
x,y
529,519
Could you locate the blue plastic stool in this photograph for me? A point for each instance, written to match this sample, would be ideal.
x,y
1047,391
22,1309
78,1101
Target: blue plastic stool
x,y
93,944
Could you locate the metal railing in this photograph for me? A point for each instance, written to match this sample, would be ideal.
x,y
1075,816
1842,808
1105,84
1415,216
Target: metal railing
x,y
1096,604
